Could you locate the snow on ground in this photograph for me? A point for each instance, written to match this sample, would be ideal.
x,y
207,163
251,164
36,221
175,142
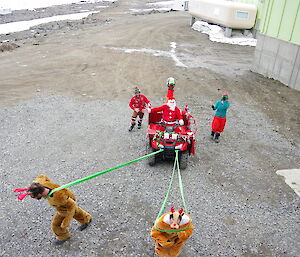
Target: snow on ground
x,y
150,10
171,54
292,178
33,4
217,34
5,11
7,6
25,25
158,6
164,4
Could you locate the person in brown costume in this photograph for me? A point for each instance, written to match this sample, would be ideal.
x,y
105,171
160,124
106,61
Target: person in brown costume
x,y
64,202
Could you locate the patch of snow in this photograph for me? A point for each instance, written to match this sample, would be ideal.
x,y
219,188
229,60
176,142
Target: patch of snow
x,y
292,178
25,25
217,34
166,4
33,4
171,54
150,10
4,11
173,47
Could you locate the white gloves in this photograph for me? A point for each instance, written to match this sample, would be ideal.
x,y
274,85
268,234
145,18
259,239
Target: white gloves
x,y
149,109
181,122
136,109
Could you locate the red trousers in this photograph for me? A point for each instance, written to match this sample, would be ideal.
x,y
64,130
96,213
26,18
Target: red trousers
x,y
218,124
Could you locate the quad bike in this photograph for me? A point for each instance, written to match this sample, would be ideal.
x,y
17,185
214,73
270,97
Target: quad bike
x,y
169,137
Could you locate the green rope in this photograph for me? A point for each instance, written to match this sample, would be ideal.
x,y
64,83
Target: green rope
x,y
181,186
176,163
171,231
101,173
168,191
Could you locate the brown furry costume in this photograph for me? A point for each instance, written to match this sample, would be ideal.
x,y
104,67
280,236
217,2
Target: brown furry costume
x,y
64,202
170,244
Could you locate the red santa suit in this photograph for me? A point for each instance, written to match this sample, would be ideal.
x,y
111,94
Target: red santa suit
x,y
168,115
138,102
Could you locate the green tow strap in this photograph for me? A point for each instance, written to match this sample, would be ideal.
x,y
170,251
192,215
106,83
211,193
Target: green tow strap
x,y
176,163
169,189
101,173
181,186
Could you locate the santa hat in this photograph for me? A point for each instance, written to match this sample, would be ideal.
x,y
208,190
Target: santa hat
x,y
137,90
225,96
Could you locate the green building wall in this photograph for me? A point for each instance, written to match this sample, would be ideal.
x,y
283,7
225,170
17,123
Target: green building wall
x,y
277,53
281,19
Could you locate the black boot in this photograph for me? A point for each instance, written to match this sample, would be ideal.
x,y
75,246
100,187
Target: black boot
x,y
131,127
212,135
60,242
217,137
139,125
84,226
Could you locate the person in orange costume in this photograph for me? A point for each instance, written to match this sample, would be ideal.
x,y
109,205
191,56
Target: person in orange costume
x,y
63,201
169,244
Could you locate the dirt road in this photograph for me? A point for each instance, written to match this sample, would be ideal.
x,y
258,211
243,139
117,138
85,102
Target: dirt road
x,y
64,111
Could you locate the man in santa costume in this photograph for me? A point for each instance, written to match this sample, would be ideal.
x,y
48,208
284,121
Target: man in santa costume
x,y
171,114
219,121
139,104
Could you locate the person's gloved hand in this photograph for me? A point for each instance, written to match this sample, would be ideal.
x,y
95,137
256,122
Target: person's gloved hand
x,y
149,109
181,122
136,109
213,107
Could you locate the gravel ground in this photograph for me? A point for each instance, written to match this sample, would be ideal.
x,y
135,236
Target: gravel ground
x,y
239,206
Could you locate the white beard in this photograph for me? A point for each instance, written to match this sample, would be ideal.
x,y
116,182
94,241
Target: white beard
x,y
172,106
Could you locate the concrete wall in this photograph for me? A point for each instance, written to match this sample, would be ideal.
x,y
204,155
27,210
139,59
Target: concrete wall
x,y
277,59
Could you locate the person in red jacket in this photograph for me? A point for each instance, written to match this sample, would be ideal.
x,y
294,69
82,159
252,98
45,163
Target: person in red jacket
x,y
139,104
171,114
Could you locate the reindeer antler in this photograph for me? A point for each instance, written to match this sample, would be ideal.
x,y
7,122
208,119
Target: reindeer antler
x,y
180,211
172,209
